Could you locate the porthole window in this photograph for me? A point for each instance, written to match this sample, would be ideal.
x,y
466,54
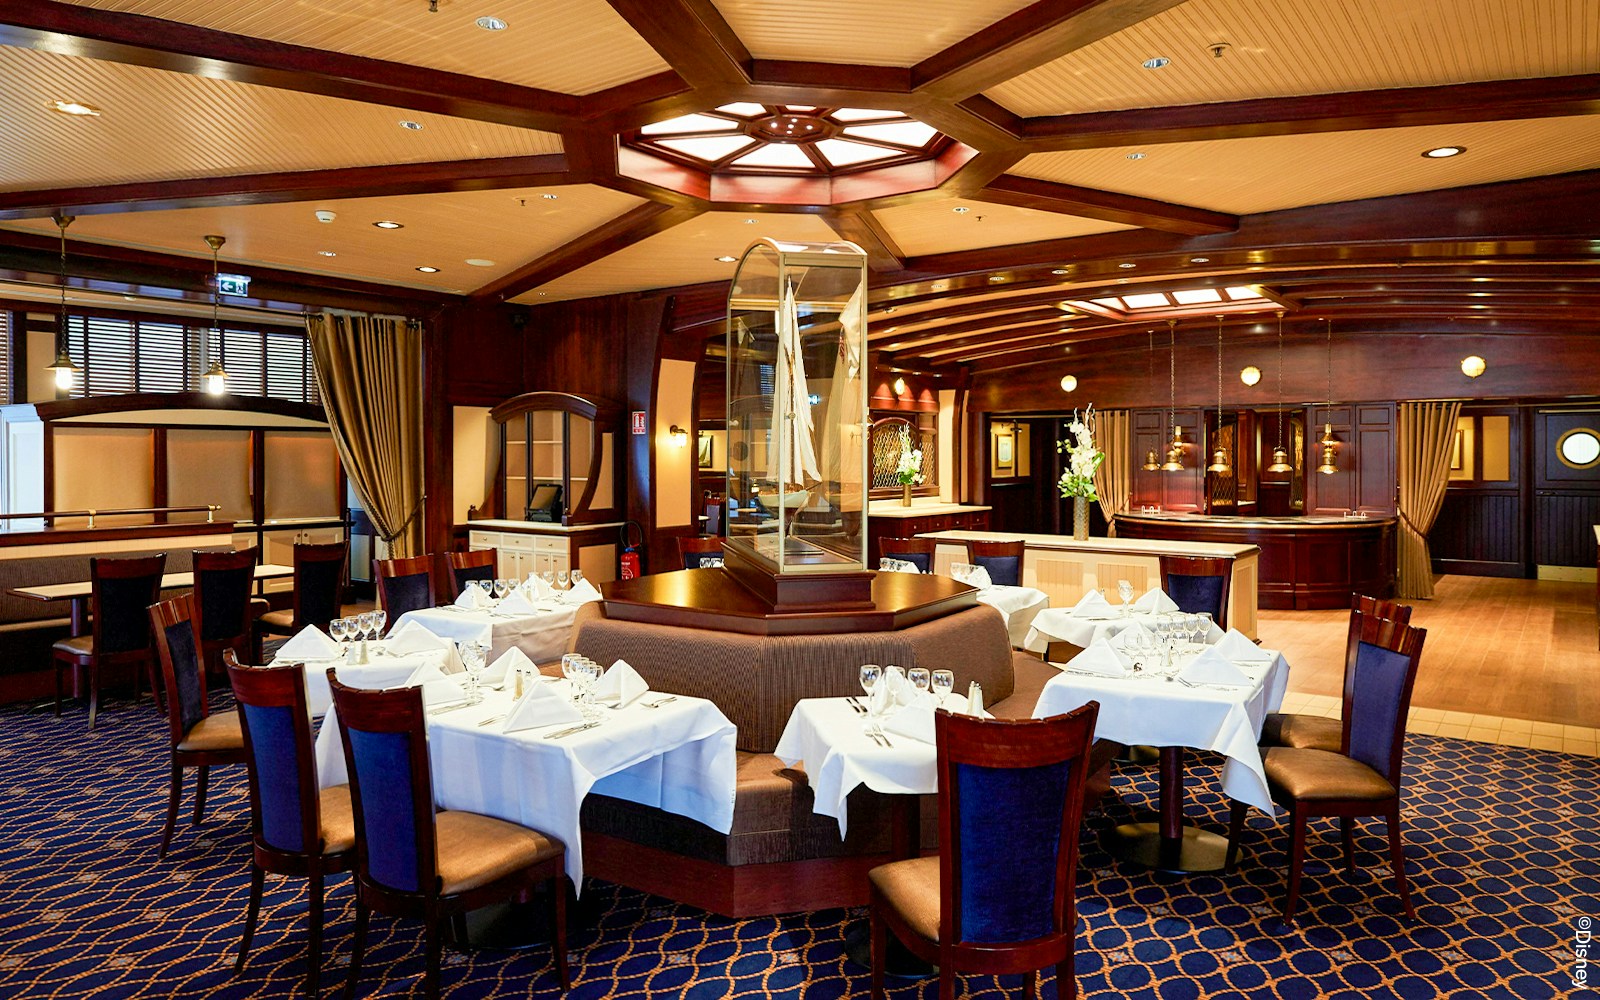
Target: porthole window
x,y
1579,448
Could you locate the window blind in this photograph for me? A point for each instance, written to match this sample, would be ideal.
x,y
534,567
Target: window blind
x,y
120,354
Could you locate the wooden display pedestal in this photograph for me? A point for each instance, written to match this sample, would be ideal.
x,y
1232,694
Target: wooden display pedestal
x,y
797,592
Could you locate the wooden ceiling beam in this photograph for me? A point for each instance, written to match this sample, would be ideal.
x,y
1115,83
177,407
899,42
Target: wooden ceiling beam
x,y
134,39
692,36
1107,206
1453,104
1024,40
292,186
859,226
623,231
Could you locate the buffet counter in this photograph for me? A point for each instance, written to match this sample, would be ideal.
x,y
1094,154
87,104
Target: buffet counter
x,y
1307,563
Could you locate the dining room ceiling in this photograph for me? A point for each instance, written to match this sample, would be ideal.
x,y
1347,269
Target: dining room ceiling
x,y
1067,151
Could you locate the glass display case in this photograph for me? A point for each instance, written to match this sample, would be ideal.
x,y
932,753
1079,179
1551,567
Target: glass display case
x,y
797,419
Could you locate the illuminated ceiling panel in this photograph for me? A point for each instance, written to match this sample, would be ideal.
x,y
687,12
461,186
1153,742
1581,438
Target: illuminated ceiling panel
x,y
789,139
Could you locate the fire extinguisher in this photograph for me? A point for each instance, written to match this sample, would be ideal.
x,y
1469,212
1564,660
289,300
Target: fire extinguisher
x,y
632,546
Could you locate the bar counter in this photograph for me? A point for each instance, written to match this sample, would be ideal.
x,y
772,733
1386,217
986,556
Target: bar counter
x,y
1307,563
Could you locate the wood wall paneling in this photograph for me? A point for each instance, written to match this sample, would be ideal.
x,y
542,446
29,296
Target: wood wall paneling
x,y
1566,500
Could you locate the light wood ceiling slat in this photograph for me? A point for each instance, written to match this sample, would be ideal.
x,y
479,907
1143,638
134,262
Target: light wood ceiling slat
x,y
933,226
879,33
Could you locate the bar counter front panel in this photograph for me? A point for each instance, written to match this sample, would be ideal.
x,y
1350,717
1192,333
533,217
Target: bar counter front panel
x,y
1307,563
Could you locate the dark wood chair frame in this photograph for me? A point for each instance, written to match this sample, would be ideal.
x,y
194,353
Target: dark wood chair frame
x,y
1395,637
690,544
389,569
1200,566
888,547
998,550
163,616
303,553
285,687
204,562
1376,607
97,660
997,744
475,559
399,710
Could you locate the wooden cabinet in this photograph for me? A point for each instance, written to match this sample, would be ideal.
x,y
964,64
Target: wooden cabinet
x,y
887,526
522,548
564,442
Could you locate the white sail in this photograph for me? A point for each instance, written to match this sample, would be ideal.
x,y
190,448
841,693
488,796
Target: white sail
x,y
802,447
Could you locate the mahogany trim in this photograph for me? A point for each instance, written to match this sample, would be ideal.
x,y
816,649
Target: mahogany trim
x,y
68,536
1107,206
625,230
63,409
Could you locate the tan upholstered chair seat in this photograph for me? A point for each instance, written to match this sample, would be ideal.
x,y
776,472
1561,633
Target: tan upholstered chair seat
x,y
912,889
1308,775
475,850
338,823
259,606
1305,732
280,621
214,732
78,645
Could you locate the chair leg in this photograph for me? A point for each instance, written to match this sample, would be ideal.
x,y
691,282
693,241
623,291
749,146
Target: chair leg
x,y
200,793
1347,835
58,665
173,795
1030,984
252,910
435,939
878,943
1297,857
1066,980
158,693
558,890
358,945
947,982
314,890
1236,814
94,692
1397,860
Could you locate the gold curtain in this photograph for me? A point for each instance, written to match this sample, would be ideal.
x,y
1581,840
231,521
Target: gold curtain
x,y
1426,432
1113,434
369,370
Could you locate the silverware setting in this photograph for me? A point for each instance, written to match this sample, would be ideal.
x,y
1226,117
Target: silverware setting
x,y
449,708
491,720
855,703
659,701
570,730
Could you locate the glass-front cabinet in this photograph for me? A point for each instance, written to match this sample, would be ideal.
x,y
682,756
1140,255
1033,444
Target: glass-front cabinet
x,y
559,458
797,408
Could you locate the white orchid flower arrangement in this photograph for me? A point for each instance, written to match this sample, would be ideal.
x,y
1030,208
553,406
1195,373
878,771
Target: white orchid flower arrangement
x,y
1083,458
909,471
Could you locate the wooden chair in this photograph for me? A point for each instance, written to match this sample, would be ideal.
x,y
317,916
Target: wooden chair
x,y
1363,777
318,592
196,737
1000,897
413,860
295,828
916,551
120,592
1003,560
405,585
465,566
693,549
1316,732
222,606
1198,584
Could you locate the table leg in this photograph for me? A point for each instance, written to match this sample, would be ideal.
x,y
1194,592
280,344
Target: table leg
x,y
80,615
1169,845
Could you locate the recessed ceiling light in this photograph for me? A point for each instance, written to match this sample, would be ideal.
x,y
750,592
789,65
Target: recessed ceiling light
x,y
327,253
479,262
1059,270
725,259
1479,295
1136,156
488,23
75,108
428,270
549,197
997,277
1125,266
386,224
961,210
889,309
1442,152
1199,260
749,222
410,125
1155,62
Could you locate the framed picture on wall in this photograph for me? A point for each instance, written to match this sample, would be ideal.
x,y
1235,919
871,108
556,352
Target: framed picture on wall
x,y
706,450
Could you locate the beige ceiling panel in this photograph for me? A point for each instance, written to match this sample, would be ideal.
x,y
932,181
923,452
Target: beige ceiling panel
x,y
879,33
1280,48
570,46
1245,176
683,255
508,228
157,125
928,227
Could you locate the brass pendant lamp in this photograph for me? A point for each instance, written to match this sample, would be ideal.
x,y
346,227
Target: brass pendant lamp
x,y
1152,461
1330,444
1219,458
1174,461
214,380
65,371
1280,458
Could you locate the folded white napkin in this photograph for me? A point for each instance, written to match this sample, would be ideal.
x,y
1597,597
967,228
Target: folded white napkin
x,y
1092,605
310,643
540,706
911,721
474,599
1100,658
1213,667
1154,601
536,588
1235,645
508,663
582,592
412,638
620,685
516,603
978,577
437,689
1129,637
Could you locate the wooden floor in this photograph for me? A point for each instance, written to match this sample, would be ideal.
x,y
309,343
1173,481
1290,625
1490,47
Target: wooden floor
x,y
1509,649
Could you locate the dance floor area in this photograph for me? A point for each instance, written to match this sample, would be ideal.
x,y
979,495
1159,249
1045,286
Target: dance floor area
x,y
1502,846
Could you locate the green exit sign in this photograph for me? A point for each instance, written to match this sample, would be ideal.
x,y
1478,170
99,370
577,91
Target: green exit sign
x,y
233,284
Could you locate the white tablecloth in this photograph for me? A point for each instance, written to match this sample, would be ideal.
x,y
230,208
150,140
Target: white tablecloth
x,y
543,637
1060,625
679,757
1150,710
1019,605
380,671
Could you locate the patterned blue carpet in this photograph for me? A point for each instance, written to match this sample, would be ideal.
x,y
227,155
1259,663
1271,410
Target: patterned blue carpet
x,y
1503,849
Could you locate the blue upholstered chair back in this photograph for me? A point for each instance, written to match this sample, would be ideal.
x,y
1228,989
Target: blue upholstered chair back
x,y
224,596
405,593
1194,594
461,575
185,654
1010,822
381,766
317,584
921,560
122,606
277,751
1004,571
1378,704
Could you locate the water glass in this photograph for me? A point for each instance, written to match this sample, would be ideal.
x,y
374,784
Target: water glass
x,y
501,588
944,681
577,577
472,660
1205,626
562,579
339,629
871,673
918,676
364,622
549,577
1125,591
380,618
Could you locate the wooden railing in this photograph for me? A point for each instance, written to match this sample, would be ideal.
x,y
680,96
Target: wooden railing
x,y
51,516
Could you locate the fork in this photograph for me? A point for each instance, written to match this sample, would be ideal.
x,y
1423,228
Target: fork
x,y
491,720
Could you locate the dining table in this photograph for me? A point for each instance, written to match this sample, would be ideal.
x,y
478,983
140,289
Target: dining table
x,y
381,670
78,592
1052,625
1018,605
542,636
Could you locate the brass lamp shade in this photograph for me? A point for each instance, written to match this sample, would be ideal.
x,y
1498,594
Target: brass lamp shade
x,y
1152,462
1330,455
1219,463
1175,453
1280,461
65,371
215,379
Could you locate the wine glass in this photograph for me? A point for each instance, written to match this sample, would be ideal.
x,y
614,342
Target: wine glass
x,y
364,625
1191,625
380,618
549,577
339,628
473,662
1204,627
1125,591
918,676
563,579
577,577
871,674
944,681
502,587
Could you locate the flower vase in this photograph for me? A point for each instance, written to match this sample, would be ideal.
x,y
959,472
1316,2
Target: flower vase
x,y
905,494
1080,518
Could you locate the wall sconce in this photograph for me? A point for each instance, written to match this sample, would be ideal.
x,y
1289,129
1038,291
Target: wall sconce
x,y
1069,383
678,436
1472,366
899,387
1250,375
1330,451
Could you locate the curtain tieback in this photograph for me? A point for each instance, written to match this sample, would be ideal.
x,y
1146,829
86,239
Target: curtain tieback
x,y
1404,519
388,537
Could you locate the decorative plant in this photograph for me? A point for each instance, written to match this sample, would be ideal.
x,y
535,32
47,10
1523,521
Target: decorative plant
x,y
909,471
1084,459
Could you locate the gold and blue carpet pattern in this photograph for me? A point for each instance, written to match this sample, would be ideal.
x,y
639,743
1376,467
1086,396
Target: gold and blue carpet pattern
x,y
1502,846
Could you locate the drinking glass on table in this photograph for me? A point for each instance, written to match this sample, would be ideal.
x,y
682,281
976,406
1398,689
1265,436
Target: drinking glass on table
x,y
339,628
1125,591
918,676
1205,626
577,577
944,681
563,579
549,576
502,586
380,618
364,625
472,660
871,674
